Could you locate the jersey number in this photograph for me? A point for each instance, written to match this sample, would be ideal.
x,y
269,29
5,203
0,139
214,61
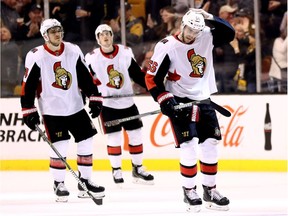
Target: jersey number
x,y
152,66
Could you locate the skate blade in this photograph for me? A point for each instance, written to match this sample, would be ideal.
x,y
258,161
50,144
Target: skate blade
x,y
142,181
61,199
213,206
83,194
193,208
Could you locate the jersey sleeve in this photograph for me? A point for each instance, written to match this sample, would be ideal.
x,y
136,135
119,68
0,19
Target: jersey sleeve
x,y
88,58
158,69
31,80
222,31
136,73
85,79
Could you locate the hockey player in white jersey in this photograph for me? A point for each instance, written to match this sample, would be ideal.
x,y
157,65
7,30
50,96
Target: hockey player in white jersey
x,y
55,73
181,71
113,66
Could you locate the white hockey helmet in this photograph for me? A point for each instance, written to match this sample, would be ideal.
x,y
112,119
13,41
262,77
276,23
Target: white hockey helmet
x,y
100,29
193,20
46,25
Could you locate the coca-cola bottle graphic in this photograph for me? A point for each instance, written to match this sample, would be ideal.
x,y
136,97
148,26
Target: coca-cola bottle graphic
x,y
267,129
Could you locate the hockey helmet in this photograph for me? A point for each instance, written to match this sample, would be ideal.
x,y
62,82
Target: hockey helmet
x,y
46,25
100,29
193,20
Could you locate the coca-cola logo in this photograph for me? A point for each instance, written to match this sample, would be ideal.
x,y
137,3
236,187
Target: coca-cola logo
x,y
232,132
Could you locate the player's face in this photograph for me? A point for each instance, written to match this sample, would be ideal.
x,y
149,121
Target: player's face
x,y
189,34
105,39
55,35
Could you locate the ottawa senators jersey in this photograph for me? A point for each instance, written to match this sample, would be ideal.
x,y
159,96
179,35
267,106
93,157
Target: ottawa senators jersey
x,y
57,77
187,69
112,73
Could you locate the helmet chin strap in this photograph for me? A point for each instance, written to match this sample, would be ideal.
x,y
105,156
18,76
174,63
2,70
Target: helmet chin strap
x,y
45,36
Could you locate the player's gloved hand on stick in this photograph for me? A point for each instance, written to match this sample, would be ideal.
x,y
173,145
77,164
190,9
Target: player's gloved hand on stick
x,y
95,105
31,117
167,103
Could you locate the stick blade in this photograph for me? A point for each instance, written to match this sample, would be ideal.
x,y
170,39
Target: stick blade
x,y
97,201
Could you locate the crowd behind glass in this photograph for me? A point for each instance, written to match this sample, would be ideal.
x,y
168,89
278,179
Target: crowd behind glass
x,y
235,63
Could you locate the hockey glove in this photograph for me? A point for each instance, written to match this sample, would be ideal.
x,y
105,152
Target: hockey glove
x,y
95,105
31,117
167,103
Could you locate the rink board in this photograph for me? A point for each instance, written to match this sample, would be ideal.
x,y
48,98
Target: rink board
x,y
241,147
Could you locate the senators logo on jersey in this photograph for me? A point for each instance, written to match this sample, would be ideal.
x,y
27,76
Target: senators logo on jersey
x,y
63,78
116,79
197,62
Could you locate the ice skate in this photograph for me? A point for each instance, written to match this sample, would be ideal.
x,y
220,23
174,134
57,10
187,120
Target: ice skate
x,y
96,190
61,192
140,176
117,176
192,199
214,200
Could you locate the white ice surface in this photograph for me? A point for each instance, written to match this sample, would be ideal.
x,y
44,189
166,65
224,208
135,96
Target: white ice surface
x,y
250,194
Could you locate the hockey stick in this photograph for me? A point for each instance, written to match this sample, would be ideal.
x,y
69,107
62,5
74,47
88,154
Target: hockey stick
x,y
42,134
121,96
119,121
217,107
180,106
221,109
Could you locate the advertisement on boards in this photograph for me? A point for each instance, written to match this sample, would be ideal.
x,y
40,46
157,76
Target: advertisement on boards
x,y
256,130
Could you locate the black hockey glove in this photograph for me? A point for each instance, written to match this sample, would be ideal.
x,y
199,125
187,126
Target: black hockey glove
x,y
95,105
167,103
31,117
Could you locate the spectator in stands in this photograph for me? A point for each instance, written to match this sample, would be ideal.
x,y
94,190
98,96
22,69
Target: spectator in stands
x,y
28,34
10,77
248,6
182,6
246,19
153,7
23,8
31,29
9,15
58,9
213,7
111,11
244,47
227,12
225,58
89,14
272,12
279,61
134,27
170,24
78,17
